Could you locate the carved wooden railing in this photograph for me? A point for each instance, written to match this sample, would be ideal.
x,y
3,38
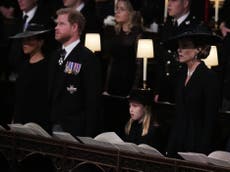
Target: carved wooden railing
x,y
15,147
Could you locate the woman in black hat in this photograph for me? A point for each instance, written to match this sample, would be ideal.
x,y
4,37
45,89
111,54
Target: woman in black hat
x,y
197,94
142,126
32,83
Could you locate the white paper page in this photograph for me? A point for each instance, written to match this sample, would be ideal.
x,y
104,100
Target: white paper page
x,y
110,137
37,129
147,149
64,136
195,157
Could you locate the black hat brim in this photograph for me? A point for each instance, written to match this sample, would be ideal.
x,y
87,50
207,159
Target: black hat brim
x,y
27,34
199,39
143,96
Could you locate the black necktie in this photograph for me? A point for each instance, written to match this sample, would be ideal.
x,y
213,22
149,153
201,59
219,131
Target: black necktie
x,y
175,23
62,57
24,21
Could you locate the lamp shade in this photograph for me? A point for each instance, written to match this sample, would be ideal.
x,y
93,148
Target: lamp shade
x,y
145,48
212,59
93,41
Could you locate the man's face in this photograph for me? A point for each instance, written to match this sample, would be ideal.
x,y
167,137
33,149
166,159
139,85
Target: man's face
x,y
176,8
26,5
63,29
70,3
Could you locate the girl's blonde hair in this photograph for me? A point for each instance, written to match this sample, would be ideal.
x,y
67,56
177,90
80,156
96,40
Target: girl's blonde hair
x,y
145,123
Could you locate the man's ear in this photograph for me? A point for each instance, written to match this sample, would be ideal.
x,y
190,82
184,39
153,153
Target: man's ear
x,y
75,27
186,3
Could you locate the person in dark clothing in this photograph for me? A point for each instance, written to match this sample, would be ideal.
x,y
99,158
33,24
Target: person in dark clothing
x,y
74,79
142,127
225,55
225,31
32,84
179,20
119,48
197,94
9,11
152,12
31,12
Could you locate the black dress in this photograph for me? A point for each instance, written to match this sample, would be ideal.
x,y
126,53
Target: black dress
x,y
32,94
152,138
121,50
195,126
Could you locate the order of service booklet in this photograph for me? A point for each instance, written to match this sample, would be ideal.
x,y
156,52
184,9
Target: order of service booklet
x,y
29,128
112,140
220,158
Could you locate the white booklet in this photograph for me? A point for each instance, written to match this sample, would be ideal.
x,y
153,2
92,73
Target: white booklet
x,y
65,136
29,128
220,158
112,140
147,149
110,137
106,140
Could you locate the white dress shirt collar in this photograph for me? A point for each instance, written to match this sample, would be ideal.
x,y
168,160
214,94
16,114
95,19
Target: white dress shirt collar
x,y
182,18
70,47
79,8
30,13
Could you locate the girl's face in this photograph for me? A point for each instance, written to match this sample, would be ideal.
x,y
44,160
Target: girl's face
x,y
186,51
122,13
31,45
136,111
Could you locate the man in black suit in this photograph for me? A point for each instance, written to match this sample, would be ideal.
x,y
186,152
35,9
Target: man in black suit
x,y
179,20
75,79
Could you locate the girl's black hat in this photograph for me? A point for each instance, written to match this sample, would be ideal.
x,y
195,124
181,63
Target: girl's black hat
x,y
143,96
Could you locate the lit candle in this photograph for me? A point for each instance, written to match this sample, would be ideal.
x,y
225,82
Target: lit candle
x,y
115,3
216,10
166,9
145,69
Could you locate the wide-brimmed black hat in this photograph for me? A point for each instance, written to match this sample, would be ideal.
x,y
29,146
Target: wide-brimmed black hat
x,y
200,35
33,29
143,96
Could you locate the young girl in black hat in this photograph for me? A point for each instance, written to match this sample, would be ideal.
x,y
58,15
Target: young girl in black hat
x,y
142,127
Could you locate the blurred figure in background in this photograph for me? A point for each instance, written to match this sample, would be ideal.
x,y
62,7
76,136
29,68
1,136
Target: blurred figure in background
x,y
9,11
120,49
225,31
179,20
88,10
